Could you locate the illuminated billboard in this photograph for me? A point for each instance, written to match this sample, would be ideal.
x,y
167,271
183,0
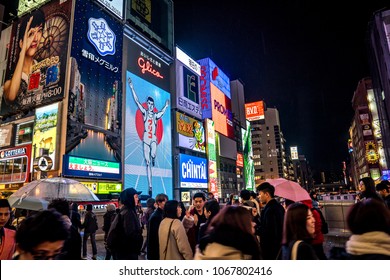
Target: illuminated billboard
x,y
154,19
254,111
249,167
215,97
192,172
187,84
36,76
27,5
294,152
15,164
94,117
45,138
191,134
114,6
221,112
6,135
91,168
212,157
148,129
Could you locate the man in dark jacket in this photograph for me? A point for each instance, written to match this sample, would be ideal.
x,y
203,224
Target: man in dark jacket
x,y
130,244
153,247
108,217
271,222
90,227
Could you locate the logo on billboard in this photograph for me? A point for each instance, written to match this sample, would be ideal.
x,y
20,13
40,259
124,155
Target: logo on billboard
x,y
254,111
101,36
193,172
191,85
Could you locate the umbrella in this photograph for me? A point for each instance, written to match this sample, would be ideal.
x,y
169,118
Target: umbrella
x,y
29,203
57,187
289,189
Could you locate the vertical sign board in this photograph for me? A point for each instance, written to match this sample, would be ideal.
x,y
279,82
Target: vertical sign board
x,y
191,133
187,84
294,152
44,142
94,106
215,97
148,131
212,157
46,59
193,172
249,167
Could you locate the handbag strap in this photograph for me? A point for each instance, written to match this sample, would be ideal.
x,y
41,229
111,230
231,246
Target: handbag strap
x,y
294,250
166,247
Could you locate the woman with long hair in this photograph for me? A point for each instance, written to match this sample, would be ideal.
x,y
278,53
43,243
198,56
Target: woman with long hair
x,y
367,189
298,230
173,240
230,236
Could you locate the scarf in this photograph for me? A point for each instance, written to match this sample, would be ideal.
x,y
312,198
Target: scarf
x,y
375,242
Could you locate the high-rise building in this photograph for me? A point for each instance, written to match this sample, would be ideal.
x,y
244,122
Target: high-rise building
x,y
268,147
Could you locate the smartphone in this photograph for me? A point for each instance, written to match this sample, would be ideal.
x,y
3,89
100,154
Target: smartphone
x,y
235,197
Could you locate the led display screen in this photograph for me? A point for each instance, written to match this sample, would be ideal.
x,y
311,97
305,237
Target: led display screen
x,y
192,172
221,112
191,133
254,111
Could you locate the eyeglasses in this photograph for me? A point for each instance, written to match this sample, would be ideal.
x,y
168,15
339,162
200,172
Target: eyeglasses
x,y
44,255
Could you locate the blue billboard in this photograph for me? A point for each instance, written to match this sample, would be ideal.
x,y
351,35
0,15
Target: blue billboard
x,y
193,172
94,117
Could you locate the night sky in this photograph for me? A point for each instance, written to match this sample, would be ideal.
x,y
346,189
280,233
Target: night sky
x,y
304,58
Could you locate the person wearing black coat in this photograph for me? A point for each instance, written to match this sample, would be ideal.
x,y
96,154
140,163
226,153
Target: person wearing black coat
x,y
271,222
152,240
129,245
108,217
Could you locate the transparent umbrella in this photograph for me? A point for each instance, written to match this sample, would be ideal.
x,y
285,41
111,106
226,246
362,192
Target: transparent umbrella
x,y
56,187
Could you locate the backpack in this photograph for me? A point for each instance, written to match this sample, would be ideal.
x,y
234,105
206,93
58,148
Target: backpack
x,y
324,224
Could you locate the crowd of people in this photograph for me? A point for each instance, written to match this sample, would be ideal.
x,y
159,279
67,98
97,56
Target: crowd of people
x,y
254,226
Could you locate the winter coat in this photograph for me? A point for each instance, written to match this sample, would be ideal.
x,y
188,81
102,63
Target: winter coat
x,y
153,249
271,229
369,246
216,251
90,224
178,246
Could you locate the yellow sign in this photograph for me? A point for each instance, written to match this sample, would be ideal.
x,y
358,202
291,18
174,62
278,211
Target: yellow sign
x,y
91,185
185,196
106,188
372,155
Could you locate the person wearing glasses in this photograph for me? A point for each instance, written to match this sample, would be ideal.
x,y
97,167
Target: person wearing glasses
x,y
41,236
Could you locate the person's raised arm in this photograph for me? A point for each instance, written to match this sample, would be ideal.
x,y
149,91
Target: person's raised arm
x,y
12,86
161,113
142,109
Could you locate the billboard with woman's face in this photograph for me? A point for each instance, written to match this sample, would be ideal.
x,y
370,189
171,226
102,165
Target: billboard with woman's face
x,y
36,65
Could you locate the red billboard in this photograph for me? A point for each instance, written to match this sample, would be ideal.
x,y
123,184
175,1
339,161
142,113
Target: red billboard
x,y
254,111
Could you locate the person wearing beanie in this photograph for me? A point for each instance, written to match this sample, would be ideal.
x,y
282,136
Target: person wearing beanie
x,y
7,246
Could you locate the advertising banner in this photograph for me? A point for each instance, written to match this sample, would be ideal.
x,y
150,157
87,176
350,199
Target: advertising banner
x,y
294,152
114,6
154,19
94,106
45,138
192,172
249,167
91,168
187,84
15,163
191,133
37,58
212,157
148,130
221,112
24,133
6,132
254,111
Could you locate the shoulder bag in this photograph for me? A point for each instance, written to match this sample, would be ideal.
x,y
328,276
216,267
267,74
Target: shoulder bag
x,y
294,250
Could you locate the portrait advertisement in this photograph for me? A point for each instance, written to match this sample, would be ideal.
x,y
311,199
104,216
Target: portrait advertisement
x,y
37,56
